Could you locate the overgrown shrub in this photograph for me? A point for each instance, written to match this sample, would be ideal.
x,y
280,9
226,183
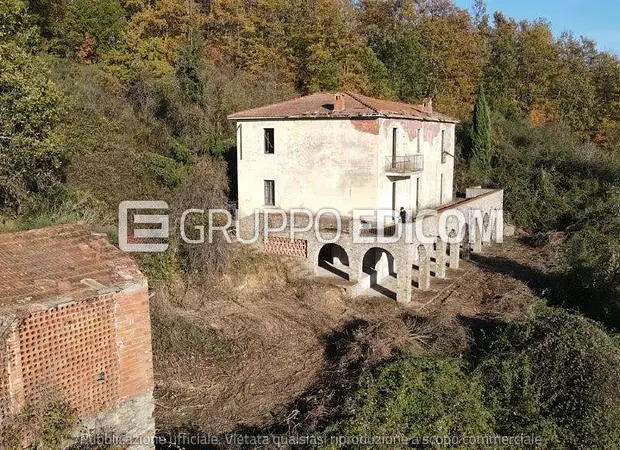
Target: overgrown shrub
x,y
181,153
418,397
44,425
108,141
591,263
169,172
554,375
204,188
64,205
159,266
549,177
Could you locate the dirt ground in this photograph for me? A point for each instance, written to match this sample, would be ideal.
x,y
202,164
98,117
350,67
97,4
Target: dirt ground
x,y
271,348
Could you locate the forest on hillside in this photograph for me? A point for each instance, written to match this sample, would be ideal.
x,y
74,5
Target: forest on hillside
x,y
105,100
92,82
108,100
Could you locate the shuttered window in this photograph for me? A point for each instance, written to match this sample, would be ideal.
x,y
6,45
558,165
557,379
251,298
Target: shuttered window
x,y
443,146
269,141
270,193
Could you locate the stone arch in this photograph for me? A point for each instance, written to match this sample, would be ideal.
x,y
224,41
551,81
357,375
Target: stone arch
x,y
379,260
379,265
333,258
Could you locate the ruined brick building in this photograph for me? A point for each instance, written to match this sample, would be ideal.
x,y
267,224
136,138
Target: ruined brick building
x,y
74,325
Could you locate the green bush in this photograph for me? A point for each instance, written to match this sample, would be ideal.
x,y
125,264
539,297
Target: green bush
x,y
159,266
591,261
549,177
14,21
109,141
169,171
417,397
41,426
555,375
181,153
65,205
32,157
215,144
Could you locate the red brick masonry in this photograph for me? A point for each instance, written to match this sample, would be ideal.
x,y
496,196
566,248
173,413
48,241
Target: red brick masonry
x,y
286,247
74,321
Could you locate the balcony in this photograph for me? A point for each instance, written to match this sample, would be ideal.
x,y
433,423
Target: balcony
x,y
404,164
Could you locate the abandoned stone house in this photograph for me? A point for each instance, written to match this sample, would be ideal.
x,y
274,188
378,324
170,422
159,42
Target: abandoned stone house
x,y
75,327
349,152
343,151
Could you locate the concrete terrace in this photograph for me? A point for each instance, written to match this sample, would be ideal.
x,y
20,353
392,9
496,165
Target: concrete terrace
x,y
392,268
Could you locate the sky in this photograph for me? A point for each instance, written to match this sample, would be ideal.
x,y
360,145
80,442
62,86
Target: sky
x,y
598,20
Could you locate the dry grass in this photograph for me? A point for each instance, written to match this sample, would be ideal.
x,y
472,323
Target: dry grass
x,y
266,347
44,423
236,352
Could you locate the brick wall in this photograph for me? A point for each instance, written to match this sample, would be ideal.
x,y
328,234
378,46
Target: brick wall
x,y
286,247
133,340
70,350
94,354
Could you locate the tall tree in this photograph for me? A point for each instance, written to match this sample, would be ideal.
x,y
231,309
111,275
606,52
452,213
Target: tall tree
x,y
328,53
537,70
190,65
481,136
573,89
89,29
153,38
31,155
501,67
389,31
454,48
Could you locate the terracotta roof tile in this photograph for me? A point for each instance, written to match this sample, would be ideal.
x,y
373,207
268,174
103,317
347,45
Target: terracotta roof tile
x,y
49,263
321,105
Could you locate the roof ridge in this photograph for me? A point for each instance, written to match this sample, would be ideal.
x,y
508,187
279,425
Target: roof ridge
x,y
318,105
277,103
366,104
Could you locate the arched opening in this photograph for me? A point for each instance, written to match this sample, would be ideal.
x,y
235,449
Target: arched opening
x,y
379,260
334,259
378,263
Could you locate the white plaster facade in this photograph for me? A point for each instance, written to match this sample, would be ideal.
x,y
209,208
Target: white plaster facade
x,y
340,163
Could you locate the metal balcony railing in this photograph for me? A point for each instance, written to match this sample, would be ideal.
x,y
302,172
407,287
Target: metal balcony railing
x,y
404,163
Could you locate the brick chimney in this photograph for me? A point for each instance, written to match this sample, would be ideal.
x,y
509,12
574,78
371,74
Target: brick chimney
x,y
338,102
427,104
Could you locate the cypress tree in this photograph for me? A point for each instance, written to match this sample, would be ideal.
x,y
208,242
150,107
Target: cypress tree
x,y
481,135
191,65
